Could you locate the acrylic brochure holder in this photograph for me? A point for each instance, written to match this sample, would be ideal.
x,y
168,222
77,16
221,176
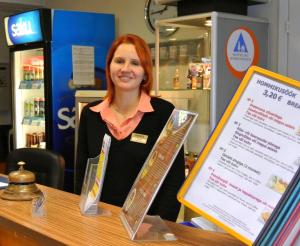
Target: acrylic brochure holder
x,y
93,182
134,216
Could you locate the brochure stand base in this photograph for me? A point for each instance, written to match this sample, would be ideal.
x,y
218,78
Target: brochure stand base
x,y
103,212
92,209
154,228
96,212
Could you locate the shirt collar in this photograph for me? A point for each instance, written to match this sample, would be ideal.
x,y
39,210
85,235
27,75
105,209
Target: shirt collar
x,y
143,106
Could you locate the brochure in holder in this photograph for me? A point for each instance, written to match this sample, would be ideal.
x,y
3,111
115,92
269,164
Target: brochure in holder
x,y
248,171
93,181
156,167
38,205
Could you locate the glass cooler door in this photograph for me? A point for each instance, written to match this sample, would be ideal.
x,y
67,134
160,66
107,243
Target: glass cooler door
x,y
197,66
29,98
183,65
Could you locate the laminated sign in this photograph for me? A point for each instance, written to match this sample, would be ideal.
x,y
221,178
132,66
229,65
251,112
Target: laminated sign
x,y
246,179
151,177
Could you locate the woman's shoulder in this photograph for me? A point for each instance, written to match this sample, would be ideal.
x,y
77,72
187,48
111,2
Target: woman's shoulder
x,y
94,103
86,109
159,103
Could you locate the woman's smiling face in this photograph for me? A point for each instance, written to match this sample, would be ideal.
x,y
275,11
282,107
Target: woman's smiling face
x,y
126,70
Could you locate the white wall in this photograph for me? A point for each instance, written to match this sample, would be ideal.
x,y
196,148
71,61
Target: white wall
x,y
289,38
26,2
270,11
4,57
129,14
5,99
129,17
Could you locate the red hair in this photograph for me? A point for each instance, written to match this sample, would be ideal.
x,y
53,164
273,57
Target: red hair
x,y
144,54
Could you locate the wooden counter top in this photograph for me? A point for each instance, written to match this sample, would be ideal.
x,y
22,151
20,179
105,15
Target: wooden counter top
x,y
63,224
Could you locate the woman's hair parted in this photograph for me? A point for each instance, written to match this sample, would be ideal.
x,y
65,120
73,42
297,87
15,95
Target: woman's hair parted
x,y
144,55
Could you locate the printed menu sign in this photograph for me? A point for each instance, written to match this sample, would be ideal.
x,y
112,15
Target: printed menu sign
x,y
155,169
83,62
251,157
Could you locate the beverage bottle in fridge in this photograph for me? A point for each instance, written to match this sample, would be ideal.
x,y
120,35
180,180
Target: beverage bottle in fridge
x,y
38,73
34,140
42,107
37,107
35,74
31,103
26,108
176,82
31,74
28,140
24,73
41,70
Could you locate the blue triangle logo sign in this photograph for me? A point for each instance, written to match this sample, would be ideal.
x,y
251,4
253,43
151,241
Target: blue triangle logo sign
x,y
240,45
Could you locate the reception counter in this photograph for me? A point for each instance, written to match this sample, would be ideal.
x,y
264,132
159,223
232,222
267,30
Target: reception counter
x,y
63,224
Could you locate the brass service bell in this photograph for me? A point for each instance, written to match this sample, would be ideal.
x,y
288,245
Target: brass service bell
x,y
21,185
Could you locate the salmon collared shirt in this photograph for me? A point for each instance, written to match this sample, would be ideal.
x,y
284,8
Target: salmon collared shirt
x,y
130,123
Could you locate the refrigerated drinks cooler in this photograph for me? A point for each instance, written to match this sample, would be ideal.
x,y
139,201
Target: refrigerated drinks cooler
x,y
199,62
54,53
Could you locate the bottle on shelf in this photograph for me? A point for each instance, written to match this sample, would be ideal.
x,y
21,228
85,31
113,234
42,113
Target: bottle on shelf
x,y
207,76
41,138
36,73
200,77
192,76
194,83
27,108
42,107
190,160
187,168
31,106
195,76
31,74
25,73
37,107
176,83
41,71
34,140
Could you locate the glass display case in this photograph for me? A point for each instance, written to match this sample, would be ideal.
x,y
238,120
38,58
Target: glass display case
x,y
200,65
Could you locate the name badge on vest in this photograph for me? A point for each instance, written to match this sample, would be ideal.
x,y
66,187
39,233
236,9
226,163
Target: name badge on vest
x,y
138,138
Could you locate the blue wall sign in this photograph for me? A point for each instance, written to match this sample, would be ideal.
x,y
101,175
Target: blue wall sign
x,y
23,28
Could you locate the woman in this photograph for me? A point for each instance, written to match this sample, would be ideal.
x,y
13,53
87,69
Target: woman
x,y
128,109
